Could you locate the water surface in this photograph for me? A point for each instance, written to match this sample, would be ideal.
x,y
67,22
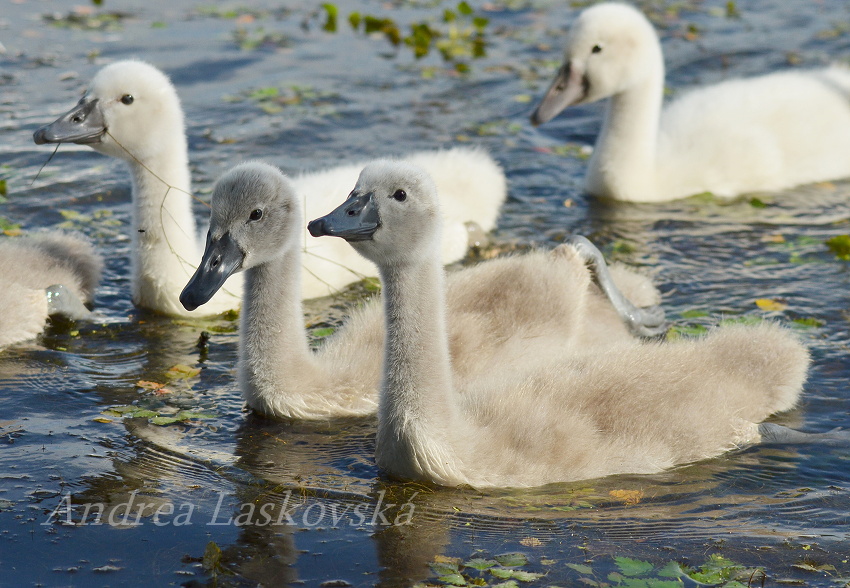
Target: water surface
x,y
296,502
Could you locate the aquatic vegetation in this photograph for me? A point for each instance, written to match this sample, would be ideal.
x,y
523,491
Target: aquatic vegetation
x,y
100,222
9,228
154,417
458,37
840,246
502,570
251,39
88,18
573,150
499,570
275,99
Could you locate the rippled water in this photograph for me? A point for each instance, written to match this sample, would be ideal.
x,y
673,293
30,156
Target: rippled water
x,y
281,500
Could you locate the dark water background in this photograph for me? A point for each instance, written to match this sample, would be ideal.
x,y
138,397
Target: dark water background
x,y
782,508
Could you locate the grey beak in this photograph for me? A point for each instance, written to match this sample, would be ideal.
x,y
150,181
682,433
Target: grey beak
x,y
222,258
82,124
567,89
356,220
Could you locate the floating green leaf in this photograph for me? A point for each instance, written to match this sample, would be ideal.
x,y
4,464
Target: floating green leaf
x,y
480,563
443,568
323,332
808,322
840,246
464,8
671,570
510,560
331,13
454,580
633,567
524,576
580,568
503,573
694,313
8,226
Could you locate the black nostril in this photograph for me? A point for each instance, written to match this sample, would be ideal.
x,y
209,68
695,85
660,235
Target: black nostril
x,y
215,261
351,212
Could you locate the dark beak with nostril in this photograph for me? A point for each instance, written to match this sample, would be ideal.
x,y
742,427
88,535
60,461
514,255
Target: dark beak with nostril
x,y
356,219
222,258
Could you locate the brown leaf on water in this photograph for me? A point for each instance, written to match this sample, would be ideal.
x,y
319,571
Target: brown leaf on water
x,y
530,542
627,497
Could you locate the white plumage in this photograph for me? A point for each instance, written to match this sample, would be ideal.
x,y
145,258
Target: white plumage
x,y
138,118
743,135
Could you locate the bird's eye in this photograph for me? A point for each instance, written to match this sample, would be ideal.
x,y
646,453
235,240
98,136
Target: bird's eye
x,y
400,195
596,49
127,99
256,214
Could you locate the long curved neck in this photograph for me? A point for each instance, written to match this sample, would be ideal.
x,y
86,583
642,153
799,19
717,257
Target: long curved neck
x,y
275,360
164,234
624,160
416,404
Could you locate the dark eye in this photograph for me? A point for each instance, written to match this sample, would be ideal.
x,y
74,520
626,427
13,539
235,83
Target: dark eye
x,y
127,99
400,195
596,49
256,214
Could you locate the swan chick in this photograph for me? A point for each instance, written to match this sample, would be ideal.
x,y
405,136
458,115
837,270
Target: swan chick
x,y
132,111
742,135
45,274
256,227
624,406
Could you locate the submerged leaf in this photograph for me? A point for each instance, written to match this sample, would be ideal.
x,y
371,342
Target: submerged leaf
x,y
212,557
628,497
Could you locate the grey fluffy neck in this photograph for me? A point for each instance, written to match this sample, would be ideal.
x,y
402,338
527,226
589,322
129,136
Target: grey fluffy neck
x,y
275,357
416,389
